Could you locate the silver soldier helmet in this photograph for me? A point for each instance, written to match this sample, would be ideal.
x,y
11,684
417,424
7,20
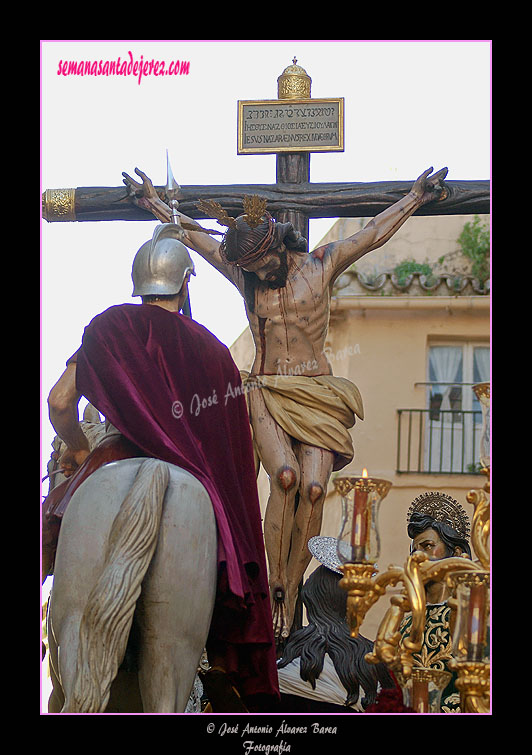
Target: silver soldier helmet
x,y
161,264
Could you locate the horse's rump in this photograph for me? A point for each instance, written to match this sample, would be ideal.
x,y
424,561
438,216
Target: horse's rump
x,y
135,527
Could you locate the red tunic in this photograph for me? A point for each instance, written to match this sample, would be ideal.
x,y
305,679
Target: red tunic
x,y
172,389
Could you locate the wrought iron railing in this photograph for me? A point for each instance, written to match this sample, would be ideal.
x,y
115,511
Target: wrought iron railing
x,y
438,441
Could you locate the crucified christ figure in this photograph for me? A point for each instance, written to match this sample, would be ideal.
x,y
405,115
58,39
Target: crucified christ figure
x,y
300,413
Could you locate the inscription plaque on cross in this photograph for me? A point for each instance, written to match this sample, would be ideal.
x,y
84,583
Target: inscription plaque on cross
x,y
292,127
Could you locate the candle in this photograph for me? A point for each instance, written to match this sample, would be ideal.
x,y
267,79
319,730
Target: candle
x,y
420,695
476,625
358,540
359,532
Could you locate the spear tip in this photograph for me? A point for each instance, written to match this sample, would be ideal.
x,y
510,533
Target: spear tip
x,y
171,183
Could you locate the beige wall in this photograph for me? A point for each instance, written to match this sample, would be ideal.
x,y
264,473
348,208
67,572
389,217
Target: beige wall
x,y
380,343
424,239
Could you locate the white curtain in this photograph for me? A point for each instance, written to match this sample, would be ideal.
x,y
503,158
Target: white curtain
x,y
445,363
482,364
445,443
449,443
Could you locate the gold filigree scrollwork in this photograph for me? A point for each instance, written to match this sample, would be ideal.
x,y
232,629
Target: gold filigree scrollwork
x,y
415,592
386,645
294,88
358,583
389,647
480,529
59,205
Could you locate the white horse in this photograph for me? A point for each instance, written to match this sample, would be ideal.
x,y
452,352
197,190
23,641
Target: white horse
x,y
136,556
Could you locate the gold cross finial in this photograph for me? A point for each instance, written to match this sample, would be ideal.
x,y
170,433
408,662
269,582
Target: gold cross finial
x,y
294,83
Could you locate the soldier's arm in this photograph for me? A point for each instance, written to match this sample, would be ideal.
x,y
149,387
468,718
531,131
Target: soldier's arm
x,y
63,412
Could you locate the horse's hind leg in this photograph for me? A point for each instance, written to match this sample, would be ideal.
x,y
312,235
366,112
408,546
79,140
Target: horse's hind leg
x,y
57,698
174,610
76,569
166,667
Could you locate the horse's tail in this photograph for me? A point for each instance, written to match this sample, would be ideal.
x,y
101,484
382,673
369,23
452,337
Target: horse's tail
x,y
108,615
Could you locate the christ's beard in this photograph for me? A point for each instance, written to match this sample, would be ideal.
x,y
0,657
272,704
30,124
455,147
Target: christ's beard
x,y
280,276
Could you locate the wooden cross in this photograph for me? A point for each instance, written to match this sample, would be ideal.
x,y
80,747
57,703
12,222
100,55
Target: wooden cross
x,y
292,198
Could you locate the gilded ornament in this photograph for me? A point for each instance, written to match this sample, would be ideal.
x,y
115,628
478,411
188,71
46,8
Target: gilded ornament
x,y
482,392
59,205
344,485
480,535
294,83
393,648
473,683
357,581
254,209
214,209
442,508
419,674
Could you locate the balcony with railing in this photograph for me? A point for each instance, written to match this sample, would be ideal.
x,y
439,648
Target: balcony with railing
x,y
440,440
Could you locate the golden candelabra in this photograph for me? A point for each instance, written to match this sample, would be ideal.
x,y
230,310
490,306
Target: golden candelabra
x,y
468,581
